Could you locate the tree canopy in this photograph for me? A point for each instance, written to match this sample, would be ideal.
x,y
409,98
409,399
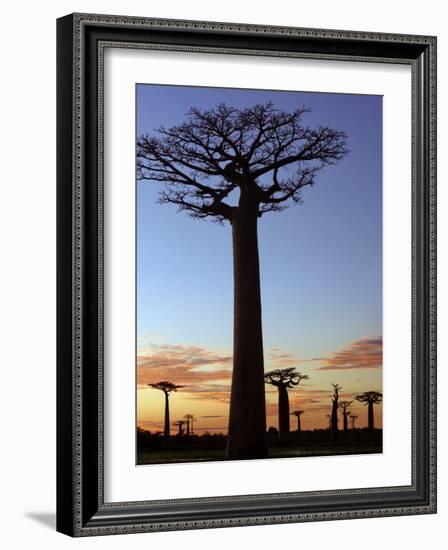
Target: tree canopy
x,y
215,152
165,386
370,397
286,378
336,389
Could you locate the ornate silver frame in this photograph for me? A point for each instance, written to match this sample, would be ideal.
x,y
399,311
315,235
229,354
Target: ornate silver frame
x,y
82,39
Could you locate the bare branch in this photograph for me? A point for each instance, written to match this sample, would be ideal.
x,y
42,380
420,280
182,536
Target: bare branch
x,y
165,386
370,397
218,151
284,377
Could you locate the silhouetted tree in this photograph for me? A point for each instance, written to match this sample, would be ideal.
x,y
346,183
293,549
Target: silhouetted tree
x,y
354,418
298,414
167,388
283,379
190,419
180,425
344,406
370,398
334,410
202,163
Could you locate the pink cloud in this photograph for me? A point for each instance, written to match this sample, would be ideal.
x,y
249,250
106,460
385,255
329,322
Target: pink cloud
x,y
185,365
366,353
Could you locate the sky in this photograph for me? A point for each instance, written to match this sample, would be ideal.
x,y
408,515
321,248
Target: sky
x,y
320,265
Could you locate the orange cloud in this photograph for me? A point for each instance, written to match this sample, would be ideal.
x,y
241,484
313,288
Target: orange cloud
x,y
211,392
206,377
366,353
184,365
204,373
282,359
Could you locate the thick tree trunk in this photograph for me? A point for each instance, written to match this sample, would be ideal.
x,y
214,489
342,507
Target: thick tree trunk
x,y
299,425
188,426
345,422
334,421
371,422
166,431
247,418
283,413
334,417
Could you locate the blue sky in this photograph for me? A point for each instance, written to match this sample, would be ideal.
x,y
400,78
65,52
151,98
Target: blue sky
x,y
320,261
321,272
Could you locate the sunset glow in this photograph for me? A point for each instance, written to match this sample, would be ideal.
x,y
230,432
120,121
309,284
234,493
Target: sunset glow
x,y
206,375
320,271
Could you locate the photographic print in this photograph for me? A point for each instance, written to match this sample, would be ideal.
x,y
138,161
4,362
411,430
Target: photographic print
x,y
259,274
246,274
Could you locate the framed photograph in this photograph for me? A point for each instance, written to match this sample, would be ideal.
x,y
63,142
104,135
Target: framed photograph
x,y
246,274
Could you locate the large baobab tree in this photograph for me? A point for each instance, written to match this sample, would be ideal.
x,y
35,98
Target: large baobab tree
x,y
235,165
284,379
189,419
334,411
370,398
354,417
344,405
298,414
167,388
180,425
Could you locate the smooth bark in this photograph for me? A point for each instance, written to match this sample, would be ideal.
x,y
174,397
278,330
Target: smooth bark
x,y
283,413
334,420
371,422
166,431
247,418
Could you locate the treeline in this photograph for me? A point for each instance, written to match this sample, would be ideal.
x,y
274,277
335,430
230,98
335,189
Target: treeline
x,y
319,438
283,380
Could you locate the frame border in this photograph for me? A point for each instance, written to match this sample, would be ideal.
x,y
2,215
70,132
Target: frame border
x,y
81,39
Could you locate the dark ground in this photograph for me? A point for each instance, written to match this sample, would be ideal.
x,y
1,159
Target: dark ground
x,y
155,449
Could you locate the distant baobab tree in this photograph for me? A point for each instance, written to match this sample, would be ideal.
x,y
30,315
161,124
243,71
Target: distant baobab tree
x,y
283,379
167,388
190,419
334,411
354,417
370,398
329,420
344,405
298,414
262,157
180,425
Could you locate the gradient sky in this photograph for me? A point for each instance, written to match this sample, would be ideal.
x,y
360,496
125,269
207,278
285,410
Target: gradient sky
x,y
321,273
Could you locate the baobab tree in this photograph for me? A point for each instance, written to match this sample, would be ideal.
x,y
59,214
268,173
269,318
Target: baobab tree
x,y
344,405
284,379
334,411
260,158
190,419
298,414
370,398
180,425
167,388
354,417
